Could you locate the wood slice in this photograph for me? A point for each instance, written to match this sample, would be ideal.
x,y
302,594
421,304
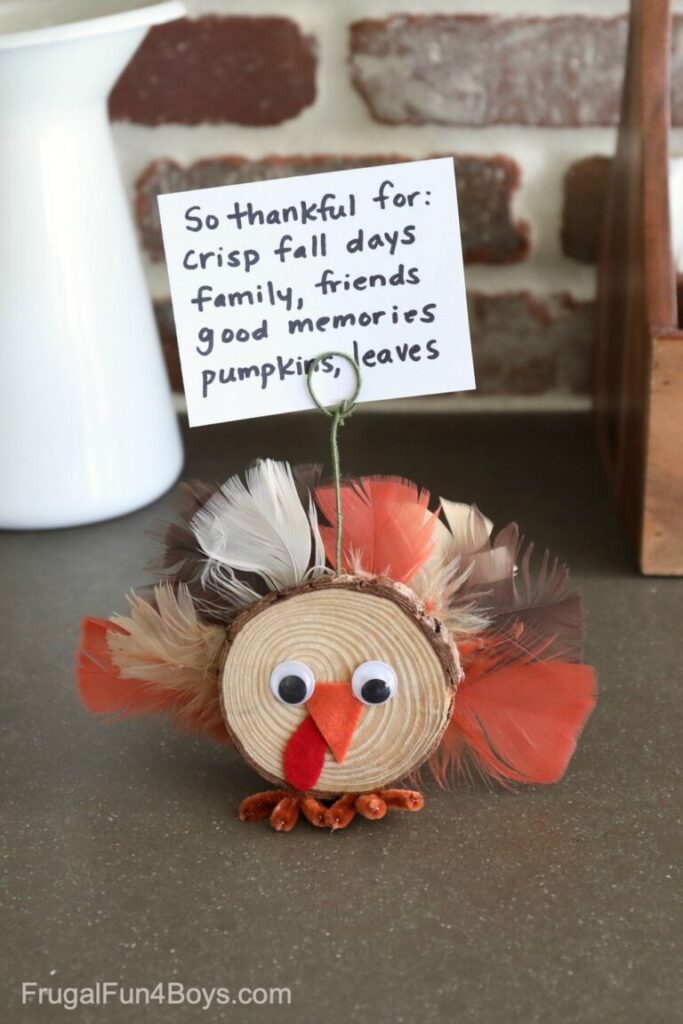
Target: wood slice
x,y
333,624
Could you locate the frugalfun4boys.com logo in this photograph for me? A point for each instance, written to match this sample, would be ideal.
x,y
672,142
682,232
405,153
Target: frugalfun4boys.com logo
x,y
162,993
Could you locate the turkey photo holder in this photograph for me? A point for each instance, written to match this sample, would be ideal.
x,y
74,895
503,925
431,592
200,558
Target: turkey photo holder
x,y
342,634
435,643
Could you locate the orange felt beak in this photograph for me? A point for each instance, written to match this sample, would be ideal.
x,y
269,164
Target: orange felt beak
x,y
336,712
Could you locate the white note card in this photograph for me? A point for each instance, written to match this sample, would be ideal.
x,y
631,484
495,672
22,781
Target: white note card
x,y
267,276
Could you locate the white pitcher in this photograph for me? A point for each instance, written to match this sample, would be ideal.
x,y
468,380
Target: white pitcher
x,y
87,426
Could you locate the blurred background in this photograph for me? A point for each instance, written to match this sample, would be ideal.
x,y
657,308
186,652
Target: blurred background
x,y
525,94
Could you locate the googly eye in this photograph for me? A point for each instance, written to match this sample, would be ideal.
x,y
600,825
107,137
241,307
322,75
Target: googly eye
x,y
292,682
374,682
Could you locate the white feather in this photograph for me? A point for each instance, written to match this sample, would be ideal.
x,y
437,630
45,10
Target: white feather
x,y
233,592
462,556
260,528
469,528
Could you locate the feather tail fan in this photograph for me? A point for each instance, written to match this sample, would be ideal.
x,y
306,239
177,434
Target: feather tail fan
x,y
520,722
260,528
102,690
162,658
387,528
233,544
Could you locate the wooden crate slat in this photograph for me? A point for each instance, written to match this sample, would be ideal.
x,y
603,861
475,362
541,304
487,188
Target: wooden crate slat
x,y
638,380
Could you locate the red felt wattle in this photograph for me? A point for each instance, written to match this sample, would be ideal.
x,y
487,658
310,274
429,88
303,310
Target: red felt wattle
x,y
304,756
523,720
388,530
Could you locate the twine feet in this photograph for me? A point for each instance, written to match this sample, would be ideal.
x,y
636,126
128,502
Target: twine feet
x,y
283,808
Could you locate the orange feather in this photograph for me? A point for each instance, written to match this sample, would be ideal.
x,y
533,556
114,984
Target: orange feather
x,y
104,691
101,688
522,720
387,528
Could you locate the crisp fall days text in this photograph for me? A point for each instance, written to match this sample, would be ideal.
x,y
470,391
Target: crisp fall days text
x,y
267,276
327,208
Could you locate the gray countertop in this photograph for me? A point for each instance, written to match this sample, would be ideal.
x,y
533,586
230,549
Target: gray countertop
x,y
126,863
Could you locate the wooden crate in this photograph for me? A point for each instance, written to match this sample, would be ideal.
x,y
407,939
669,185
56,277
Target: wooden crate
x,y
639,350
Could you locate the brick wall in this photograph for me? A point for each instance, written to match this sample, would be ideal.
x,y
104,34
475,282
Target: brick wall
x,y
524,95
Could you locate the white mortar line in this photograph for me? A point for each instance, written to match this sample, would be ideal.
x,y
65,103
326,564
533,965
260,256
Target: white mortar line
x,y
450,405
354,10
339,123
543,154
